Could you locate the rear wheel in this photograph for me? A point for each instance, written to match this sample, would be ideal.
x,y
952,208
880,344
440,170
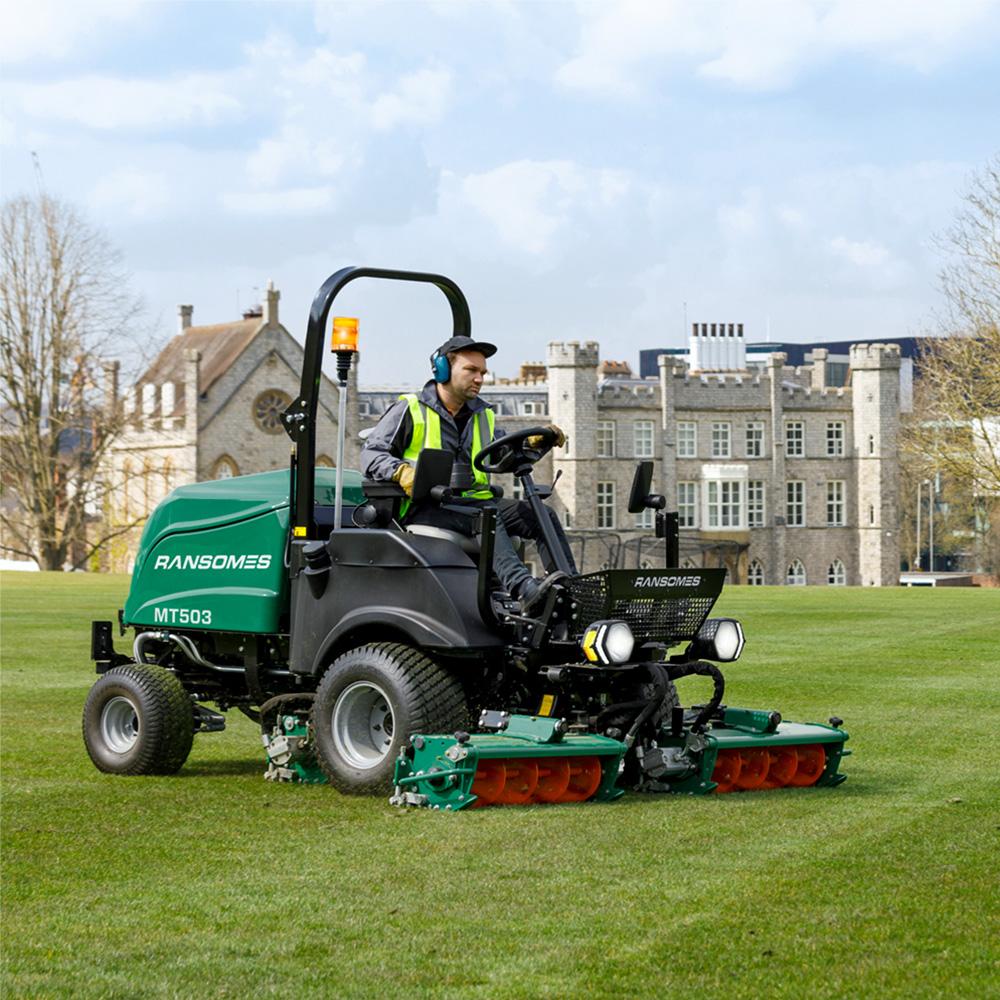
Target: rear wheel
x,y
138,719
368,704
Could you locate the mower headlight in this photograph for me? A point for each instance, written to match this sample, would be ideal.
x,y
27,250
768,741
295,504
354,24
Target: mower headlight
x,y
719,639
608,642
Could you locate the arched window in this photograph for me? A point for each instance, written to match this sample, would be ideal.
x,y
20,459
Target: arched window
x,y
755,573
836,575
325,462
225,468
796,575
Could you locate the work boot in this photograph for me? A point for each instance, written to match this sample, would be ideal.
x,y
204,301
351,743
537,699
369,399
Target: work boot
x,y
532,593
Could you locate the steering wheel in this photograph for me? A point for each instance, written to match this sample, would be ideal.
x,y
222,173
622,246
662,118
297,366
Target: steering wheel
x,y
507,453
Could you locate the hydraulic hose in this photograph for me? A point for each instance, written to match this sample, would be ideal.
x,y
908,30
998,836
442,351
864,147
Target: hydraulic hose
x,y
645,707
704,669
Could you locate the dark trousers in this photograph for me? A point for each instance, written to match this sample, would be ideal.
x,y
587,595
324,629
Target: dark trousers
x,y
506,563
515,517
519,520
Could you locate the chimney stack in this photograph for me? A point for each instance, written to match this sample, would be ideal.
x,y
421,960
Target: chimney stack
x,y
271,304
184,318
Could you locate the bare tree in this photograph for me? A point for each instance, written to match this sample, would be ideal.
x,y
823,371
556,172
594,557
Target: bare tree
x,y
959,429
64,307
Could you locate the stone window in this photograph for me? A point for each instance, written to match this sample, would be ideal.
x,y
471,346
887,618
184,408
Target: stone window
x,y
721,440
646,519
755,573
687,439
835,439
795,439
605,505
755,503
836,575
267,410
795,503
796,575
225,467
643,438
605,439
723,503
835,503
532,408
687,505
567,519
755,439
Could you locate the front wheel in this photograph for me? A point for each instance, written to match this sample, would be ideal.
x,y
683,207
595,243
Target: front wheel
x,y
368,704
138,719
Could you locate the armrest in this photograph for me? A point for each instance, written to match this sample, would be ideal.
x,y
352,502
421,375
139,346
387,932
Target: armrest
x,y
379,489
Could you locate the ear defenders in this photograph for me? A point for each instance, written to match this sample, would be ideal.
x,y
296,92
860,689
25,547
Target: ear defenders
x,y
440,367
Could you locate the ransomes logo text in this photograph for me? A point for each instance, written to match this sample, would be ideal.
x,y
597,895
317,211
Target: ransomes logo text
x,y
667,581
247,561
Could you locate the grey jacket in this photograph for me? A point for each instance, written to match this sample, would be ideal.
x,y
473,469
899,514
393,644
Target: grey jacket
x,y
384,446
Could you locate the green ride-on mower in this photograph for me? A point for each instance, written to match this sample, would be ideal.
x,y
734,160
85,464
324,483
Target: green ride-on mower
x,y
385,658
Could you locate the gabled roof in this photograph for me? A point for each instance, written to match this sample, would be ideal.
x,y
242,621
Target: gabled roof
x,y
220,345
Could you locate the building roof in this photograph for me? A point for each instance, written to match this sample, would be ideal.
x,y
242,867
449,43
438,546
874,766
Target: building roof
x,y
220,344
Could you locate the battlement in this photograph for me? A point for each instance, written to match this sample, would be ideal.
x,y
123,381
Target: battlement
x,y
573,354
874,357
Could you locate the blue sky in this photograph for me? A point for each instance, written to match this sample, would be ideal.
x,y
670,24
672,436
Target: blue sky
x,y
584,171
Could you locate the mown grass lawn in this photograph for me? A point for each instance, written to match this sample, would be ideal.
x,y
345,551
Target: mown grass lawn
x,y
216,883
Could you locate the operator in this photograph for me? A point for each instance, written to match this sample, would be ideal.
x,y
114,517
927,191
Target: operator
x,y
448,414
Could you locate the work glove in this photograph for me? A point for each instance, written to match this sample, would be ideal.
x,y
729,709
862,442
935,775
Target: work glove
x,y
536,440
404,476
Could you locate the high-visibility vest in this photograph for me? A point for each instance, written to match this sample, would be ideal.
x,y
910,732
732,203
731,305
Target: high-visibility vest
x,y
426,433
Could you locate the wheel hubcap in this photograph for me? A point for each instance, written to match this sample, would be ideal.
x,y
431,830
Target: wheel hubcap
x,y
362,725
120,724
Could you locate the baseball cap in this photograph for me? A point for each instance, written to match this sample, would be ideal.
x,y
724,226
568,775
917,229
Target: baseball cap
x,y
467,344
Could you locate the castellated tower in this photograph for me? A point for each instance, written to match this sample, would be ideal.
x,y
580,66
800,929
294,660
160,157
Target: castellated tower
x,y
875,390
572,369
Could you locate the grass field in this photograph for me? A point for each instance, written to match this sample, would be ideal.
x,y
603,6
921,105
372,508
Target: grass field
x,y
216,883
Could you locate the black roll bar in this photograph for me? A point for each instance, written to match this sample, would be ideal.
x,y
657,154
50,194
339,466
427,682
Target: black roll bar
x,y
300,417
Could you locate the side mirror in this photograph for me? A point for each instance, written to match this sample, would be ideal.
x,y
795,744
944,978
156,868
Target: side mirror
x,y
639,498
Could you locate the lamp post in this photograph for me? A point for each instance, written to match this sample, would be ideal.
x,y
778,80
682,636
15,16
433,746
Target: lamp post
x,y
920,500
930,521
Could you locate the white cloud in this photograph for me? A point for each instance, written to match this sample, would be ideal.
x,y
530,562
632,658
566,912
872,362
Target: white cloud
x,y
140,194
863,253
296,150
54,28
289,202
744,218
420,99
763,45
529,202
108,103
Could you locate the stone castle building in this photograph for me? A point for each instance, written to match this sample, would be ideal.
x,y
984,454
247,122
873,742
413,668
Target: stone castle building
x,y
775,474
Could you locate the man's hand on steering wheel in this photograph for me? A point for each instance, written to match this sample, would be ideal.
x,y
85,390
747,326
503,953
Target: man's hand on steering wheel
x,y
512,450
536,440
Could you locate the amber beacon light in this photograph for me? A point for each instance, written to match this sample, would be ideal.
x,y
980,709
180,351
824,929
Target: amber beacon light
x,y
344,336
